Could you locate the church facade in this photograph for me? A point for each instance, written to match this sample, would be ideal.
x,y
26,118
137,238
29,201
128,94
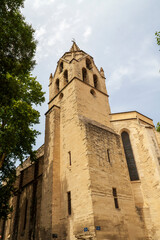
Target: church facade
x,y
97,176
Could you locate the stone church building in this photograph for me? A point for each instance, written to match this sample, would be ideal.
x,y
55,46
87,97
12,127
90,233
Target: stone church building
x,y
97,176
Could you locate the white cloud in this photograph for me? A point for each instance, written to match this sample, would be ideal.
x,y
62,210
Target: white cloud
x,y
151,68
41,3
80,1
137,71
118,76
40,32
64,25
58,33
61,6
87,33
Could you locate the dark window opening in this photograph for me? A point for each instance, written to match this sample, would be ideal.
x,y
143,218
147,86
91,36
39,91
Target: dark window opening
x,y
114,192
57,85
66,76
69,202
129,157
61,67
61,96
93,92
69,154
116,202
54,235
3,228
108,156
95,81
88,64
25,215
84,75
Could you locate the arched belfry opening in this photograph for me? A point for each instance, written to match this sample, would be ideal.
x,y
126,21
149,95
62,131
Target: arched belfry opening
x,y
65,77
129,156
84,75
88,64
57,85
61,67
95,81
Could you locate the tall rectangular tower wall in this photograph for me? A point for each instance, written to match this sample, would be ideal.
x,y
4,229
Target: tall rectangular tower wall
x,y
50,204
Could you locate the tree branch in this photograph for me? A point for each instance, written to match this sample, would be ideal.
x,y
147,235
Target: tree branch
x,y
2,158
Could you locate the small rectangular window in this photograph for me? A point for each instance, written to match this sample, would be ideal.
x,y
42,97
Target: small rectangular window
x,y
116,202
114,191
69,155
69,202
108,156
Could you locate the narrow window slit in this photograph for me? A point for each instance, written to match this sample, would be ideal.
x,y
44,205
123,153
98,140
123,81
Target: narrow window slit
x,y
70,160
108,156
95,81
61,67
84,75
69,202
88,64
114,192
66,76
57,85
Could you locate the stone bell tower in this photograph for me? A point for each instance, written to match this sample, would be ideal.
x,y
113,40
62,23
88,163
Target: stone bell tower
x,y
79,66
86,191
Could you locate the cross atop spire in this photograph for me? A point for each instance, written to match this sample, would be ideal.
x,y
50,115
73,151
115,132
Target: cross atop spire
x,y
74,47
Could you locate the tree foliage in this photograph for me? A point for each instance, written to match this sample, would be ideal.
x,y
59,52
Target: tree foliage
x,y
158,127
19,93
158,42
158,37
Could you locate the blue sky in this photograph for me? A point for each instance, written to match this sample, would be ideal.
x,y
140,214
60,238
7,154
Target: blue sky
x,y
118,34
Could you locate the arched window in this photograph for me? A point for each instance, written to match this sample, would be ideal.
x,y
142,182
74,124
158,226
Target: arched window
x,y
57,85
88,64
129,157
66,76
61,67
95,81
84,75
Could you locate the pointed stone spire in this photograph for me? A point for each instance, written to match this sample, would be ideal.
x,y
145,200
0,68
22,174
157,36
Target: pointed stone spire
x,y
74,47
102,72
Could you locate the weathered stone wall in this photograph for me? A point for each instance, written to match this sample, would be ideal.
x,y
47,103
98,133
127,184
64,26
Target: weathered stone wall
x,y
24,221
50,205
158,137
147,189
115,223
74,177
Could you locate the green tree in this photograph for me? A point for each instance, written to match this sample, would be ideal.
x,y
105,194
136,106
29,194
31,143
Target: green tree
x,y
158,42
158,127
158,37
19,93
